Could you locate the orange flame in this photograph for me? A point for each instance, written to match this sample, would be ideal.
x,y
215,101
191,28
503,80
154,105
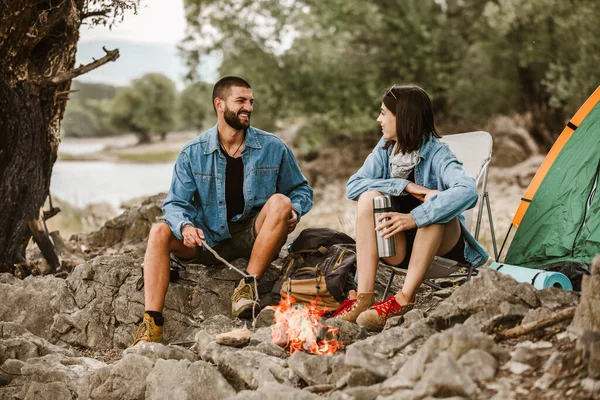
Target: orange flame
x,y
298,328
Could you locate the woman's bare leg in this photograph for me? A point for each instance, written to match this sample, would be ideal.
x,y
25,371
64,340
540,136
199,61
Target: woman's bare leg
x,y
431,240
366,244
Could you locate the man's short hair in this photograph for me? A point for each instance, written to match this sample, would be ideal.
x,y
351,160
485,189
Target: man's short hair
x,y
222,88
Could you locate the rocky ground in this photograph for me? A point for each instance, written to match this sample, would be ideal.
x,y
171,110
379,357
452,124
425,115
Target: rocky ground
x,y
68,338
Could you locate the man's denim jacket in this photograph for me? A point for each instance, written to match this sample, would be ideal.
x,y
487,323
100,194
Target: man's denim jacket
x,y
436,169
197,193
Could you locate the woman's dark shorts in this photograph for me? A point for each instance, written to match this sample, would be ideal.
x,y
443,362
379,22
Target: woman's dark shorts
x,y
405,204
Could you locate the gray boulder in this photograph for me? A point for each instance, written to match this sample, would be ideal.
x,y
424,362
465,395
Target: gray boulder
x,y
171,379
490,293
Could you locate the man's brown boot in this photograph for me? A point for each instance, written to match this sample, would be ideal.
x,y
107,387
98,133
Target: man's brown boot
x,y
351,308
148,331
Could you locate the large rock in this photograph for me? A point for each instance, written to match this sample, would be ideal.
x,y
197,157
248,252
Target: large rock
x,y
170,379
494,296
586,322
18,343
132,226
35,302
382,354
124,380
276,391
53,373
457,341
444,376
587,316
98,306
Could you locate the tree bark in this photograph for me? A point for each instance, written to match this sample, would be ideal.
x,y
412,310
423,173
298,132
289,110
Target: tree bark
x,y
143,137
37,42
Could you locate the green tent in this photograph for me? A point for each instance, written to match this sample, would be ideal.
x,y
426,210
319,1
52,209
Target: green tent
x,y
558,220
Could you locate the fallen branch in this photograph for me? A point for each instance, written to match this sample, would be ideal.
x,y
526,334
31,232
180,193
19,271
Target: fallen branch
x,y
520,330
319,388
111,55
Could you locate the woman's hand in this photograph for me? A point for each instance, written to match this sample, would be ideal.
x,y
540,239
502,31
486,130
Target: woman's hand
x,y
429,195
417,191
397,222
420,192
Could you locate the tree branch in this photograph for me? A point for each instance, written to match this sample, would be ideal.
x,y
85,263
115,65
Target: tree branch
x,y
98,13
111,55
520,330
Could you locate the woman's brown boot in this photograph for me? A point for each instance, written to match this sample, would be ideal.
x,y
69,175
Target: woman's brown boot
x,y
351,308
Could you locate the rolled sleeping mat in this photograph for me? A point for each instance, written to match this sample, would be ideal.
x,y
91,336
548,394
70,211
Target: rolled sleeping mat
x,y
540,279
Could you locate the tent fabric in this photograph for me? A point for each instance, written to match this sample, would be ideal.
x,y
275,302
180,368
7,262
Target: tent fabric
x,y
562,221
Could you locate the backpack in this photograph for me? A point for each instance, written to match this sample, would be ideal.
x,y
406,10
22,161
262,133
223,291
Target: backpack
x,y
321,263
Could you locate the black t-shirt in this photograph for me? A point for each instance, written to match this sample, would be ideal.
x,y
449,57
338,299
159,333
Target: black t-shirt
x,y
234,185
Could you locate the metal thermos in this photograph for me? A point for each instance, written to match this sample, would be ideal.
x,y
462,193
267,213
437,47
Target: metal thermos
x,y
385,247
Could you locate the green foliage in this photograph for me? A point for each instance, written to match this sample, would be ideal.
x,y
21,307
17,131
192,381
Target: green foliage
x,y
195,106
147,106
88,110
328,62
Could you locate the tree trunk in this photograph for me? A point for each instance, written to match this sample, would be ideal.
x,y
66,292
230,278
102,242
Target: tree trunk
x,y
37,43
143,137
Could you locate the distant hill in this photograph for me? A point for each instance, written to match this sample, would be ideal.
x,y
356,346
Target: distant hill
x,y
138,59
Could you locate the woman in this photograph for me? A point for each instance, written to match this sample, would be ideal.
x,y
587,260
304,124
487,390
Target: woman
x,y
430,191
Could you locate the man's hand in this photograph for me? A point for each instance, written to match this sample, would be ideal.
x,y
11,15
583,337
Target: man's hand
x,y
397,222
192,236
292,222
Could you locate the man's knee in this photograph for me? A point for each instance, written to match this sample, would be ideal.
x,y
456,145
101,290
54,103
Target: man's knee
x,y
160,232
365,201
280,204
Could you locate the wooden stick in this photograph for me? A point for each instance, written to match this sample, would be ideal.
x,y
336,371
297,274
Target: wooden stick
x,y
218,257
563,315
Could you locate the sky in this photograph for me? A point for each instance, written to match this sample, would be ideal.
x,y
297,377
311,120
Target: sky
x,y
157,21
147,43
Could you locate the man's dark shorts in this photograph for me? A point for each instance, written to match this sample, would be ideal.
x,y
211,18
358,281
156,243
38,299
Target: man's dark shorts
x,y
239,245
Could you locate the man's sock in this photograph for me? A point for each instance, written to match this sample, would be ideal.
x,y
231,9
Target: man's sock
x,y
157,316
249,279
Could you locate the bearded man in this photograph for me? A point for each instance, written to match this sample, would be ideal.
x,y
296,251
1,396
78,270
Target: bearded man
x,y
237,188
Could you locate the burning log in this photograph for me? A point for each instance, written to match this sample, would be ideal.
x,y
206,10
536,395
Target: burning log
x,y
299,328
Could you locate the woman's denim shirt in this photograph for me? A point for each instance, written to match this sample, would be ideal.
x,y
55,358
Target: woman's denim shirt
x,y
197,193
437,169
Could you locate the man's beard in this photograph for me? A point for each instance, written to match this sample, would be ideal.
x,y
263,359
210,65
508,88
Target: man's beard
x,y
234,121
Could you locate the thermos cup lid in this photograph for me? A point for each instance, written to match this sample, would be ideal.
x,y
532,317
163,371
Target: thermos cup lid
x,y
382,202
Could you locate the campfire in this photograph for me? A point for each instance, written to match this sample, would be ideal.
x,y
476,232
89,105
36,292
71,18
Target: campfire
x,y
299,328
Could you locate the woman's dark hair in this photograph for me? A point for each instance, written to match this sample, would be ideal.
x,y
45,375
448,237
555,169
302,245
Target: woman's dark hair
x,y
414,116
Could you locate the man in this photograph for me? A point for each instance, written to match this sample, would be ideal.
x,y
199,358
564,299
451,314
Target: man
x,y
237,188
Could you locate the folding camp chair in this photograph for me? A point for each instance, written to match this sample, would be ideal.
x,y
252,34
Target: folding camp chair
x,y
474,149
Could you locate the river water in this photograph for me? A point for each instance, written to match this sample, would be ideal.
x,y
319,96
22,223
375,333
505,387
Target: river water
x,y
83,182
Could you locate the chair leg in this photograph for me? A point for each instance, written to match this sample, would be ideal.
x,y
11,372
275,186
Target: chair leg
x,y
387,288
431,284
491,221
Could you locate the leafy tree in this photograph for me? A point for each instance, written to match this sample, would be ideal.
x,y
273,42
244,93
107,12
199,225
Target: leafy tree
x,y
327,62
147,106
87,112
195,106
38,42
